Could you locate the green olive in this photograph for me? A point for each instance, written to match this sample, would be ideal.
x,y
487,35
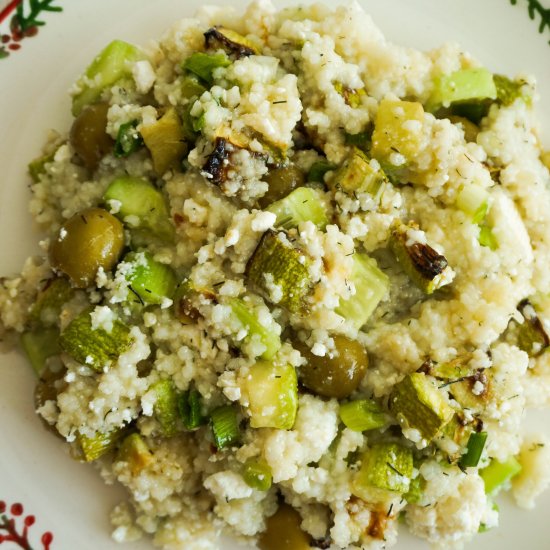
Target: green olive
x,y
335,375
88,137
281,182
471,130
283,531
91,239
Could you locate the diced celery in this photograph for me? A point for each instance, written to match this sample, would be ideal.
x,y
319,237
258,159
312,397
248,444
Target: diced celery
x,y
135,452
303,204
397,130
142,206
39,345
497,474
417,403
151,282
204,64
166,406
272,395
230,40
112,64
95,348
473,200
318,170
487,237
362,415
280,272
268,337
98,445
190,410
427,269
225,426
49,301
475,446
357,175
386,468
257,474
371,285
460,86
166,141
128,139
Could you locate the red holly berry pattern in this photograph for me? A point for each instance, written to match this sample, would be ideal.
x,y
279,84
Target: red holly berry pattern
x,y
15,527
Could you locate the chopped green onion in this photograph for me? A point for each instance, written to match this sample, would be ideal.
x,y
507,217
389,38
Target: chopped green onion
x,y
475,446
499,473
257,474
301,205
204,64
151,282
318,170
371,286
273,395
128,139
39,345
190,410
473,200
166,406
362,415
225,426
267,336
97,348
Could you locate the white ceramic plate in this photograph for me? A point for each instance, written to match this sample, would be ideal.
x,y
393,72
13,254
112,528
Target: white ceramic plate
x,y
69,499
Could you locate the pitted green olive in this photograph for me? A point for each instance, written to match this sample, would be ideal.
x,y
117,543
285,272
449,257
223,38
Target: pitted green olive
x,y
338,373
89,240
281,182
88,137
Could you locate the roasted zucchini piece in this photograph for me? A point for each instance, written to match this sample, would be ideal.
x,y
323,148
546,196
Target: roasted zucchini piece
x,y
386,470
498,474
281,181
417,403
150,281
231,41
92,448
397,130
39,345
186,299
279,271
302,205
371,285
255,330
427,269
357,175
52,297
166,141
203,65
94,348
531,334
112,64
166,408
272,395
135,452
362,415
